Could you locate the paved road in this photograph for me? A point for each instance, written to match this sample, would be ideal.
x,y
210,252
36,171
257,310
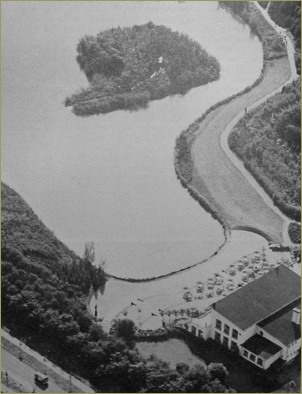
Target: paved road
x,y
21,375
23,372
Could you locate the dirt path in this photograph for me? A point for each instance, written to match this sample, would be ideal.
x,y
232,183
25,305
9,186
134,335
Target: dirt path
x,y
219,180
225,135
220,176
216,177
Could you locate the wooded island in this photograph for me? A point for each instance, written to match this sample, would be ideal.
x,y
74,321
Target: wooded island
x,y
126,68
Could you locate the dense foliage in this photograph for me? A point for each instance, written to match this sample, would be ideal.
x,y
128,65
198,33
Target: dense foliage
x,y
273,45
183,157
294,231
268,140
24,233
129,67
51,312
287,14
43,302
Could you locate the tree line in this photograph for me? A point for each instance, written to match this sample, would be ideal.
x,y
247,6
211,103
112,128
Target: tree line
x,y
35,304
268,141
287,14
44,296
272,42
128,67
22,232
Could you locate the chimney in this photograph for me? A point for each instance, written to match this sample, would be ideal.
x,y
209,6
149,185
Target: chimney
x,y
296,316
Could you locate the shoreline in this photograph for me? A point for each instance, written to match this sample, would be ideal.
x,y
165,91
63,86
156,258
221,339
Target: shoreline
x,y
218,120
169,274
205,202
263,87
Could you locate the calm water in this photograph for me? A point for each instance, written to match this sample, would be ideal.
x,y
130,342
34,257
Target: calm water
x,y
111,178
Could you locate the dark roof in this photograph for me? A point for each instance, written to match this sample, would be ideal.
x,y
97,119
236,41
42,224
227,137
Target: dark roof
x,y
260,298
280,324
261,347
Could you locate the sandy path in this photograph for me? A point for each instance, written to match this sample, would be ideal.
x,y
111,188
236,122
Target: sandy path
x,y
220,176
216,177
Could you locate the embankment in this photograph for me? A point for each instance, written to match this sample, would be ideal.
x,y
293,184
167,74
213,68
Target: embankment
x,y
214,177
153,278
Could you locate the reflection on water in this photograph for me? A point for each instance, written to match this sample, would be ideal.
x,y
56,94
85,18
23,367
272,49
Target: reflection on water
x,y
111,178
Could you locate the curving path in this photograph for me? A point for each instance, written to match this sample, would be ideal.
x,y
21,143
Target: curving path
x,y
221,177
225,135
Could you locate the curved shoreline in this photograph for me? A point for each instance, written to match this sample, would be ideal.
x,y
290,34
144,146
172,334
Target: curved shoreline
x,y
164,276
228,129
205,181
201,199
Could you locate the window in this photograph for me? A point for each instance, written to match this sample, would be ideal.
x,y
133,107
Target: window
x,y
235,334
218,324
259,361
233,345
200,333
217,336
245,353
226,329
225,341
193,330
186,327
252,357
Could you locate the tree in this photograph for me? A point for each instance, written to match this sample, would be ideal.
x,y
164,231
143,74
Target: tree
x,y
218,371
96,332
123,328
195,378
182,368
89,253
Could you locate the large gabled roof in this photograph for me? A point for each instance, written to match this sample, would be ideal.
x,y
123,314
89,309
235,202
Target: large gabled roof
x,y
280,324
260,298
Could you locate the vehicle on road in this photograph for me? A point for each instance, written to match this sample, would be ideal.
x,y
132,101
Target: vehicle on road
x,y
41,378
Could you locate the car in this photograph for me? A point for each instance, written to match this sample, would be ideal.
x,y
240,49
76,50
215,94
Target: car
x,y
41,378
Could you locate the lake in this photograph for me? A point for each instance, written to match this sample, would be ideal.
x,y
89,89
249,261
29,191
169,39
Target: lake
x,y
110,178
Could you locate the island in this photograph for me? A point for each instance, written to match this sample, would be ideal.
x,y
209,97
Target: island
x,y
128,67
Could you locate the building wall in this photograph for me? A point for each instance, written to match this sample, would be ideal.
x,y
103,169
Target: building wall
x,y
270,361
259,361
288,351
292,350
226,338
242,335
199,329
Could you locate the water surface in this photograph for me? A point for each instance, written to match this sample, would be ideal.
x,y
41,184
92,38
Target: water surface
x,y
111,178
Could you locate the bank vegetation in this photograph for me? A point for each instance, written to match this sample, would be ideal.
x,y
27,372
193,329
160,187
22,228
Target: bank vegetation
x,y
126,68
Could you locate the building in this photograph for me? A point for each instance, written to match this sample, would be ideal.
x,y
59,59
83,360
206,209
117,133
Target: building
x,y
260,320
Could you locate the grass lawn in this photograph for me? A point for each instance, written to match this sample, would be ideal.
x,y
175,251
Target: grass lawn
x,y
172,351
215,176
